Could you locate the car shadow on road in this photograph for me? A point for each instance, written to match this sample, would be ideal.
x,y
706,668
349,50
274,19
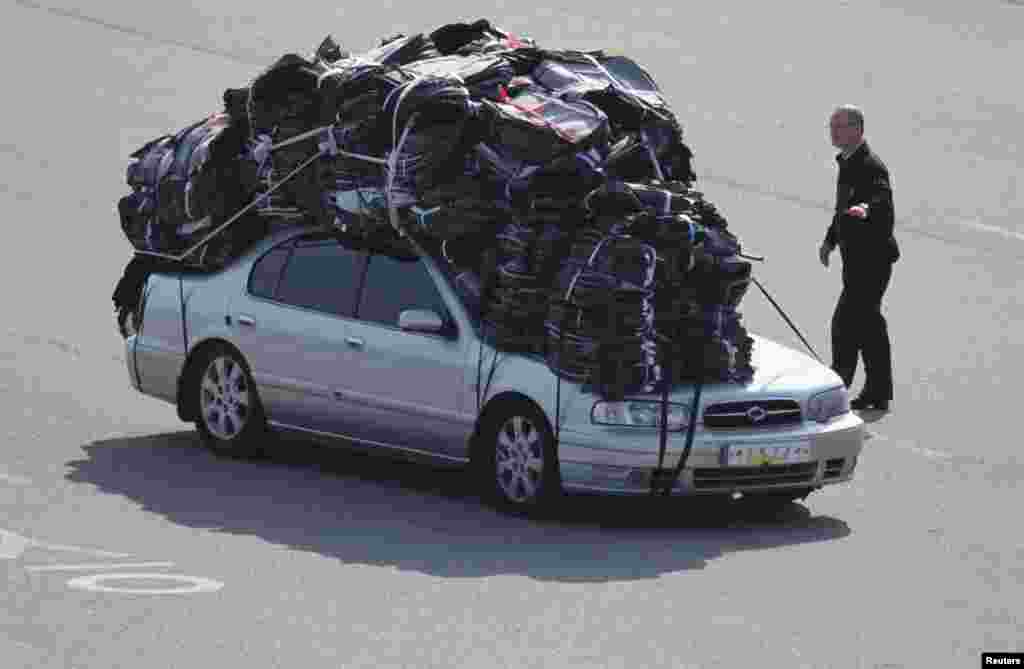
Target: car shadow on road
x,y
365,510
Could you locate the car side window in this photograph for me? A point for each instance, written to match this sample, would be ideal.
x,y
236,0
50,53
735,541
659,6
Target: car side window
x,y
266,273
393,286
321,274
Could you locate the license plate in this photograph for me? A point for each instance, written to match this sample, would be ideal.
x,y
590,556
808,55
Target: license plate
x,y
757,455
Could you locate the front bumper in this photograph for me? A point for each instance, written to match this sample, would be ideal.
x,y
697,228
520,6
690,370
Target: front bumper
x,y
619,461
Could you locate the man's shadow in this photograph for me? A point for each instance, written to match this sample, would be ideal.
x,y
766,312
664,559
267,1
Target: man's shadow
x,y
365,510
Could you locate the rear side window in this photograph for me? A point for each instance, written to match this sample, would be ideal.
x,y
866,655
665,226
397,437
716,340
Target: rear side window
x,y
266,273
628,72
321,274
393,286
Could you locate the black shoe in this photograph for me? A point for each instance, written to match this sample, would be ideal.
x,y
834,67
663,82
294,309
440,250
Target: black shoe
x,y
863,403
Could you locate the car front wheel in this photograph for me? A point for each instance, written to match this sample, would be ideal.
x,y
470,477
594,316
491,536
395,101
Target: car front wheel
x,y
231,420
517,461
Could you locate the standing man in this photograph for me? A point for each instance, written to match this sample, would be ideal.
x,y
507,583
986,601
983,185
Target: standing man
x,y
862,227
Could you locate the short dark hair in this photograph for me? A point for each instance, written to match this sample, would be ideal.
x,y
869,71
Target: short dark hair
x,y
853,114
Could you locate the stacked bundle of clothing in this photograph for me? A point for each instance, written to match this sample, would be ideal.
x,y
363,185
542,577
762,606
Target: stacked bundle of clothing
x,y
566,171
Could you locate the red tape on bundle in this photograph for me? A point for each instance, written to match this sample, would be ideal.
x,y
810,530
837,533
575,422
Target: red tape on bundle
x,y
505,99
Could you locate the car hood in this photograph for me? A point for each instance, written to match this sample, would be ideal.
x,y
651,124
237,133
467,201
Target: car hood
x,y
778,368
779,371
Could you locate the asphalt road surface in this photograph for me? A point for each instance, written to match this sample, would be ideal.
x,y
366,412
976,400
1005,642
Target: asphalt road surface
x,y
124,545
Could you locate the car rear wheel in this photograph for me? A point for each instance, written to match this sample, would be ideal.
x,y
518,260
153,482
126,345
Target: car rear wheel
x,y
230,419
517,459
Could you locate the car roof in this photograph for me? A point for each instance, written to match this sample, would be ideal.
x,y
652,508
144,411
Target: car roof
x,y
285,233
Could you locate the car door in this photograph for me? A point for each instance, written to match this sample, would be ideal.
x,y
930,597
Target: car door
x,y
291,324
408,389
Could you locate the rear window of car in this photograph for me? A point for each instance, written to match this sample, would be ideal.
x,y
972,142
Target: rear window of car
x,y
266,273
393,285
630,73
315,272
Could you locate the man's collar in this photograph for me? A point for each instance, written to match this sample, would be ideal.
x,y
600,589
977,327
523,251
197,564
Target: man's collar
x,y
843,156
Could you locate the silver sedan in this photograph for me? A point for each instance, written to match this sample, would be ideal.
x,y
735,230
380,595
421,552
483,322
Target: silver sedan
x,y
381,351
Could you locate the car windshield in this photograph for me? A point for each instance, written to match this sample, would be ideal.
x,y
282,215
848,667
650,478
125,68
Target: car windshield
x,y
466,285
462,283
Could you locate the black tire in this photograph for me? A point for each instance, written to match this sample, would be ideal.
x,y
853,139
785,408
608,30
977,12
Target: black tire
x,y
516,461
229,415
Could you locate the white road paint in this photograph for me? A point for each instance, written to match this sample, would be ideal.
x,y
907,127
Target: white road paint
x,y
983,227
929,453
12,545
79,549
909,446
13,479
905,224
187,585
98,566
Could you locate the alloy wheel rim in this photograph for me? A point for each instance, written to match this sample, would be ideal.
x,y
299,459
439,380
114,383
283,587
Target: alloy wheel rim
x,y
224,398
519,459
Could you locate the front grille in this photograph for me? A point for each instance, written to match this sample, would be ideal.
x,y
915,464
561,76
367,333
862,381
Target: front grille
x,y
737,477
834,467
752,414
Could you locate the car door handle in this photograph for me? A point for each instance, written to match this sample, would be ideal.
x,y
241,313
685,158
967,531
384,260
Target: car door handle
x,y
246,320
354,341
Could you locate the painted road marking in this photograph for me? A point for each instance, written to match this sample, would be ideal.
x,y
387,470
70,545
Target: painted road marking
x,y
14,479
193,584
79,549
13,546
984,227
920,450
98,566
910,225
929,453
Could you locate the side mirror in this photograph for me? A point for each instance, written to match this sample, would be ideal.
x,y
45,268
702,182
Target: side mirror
x,y
420,320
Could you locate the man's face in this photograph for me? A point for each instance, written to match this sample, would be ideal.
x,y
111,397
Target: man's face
x,y
844,134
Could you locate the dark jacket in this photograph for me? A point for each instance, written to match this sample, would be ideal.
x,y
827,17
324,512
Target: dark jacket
x,y
863,178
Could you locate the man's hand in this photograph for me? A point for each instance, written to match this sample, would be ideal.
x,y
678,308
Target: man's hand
x,y
824,252
858,211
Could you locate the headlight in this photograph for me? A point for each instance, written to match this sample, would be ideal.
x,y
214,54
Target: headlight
x,y
829,404
639,414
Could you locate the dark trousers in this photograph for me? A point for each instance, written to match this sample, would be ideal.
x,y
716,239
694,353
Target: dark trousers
x,y
859,329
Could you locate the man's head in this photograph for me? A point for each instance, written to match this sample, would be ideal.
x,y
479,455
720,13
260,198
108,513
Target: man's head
x,y
846,127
